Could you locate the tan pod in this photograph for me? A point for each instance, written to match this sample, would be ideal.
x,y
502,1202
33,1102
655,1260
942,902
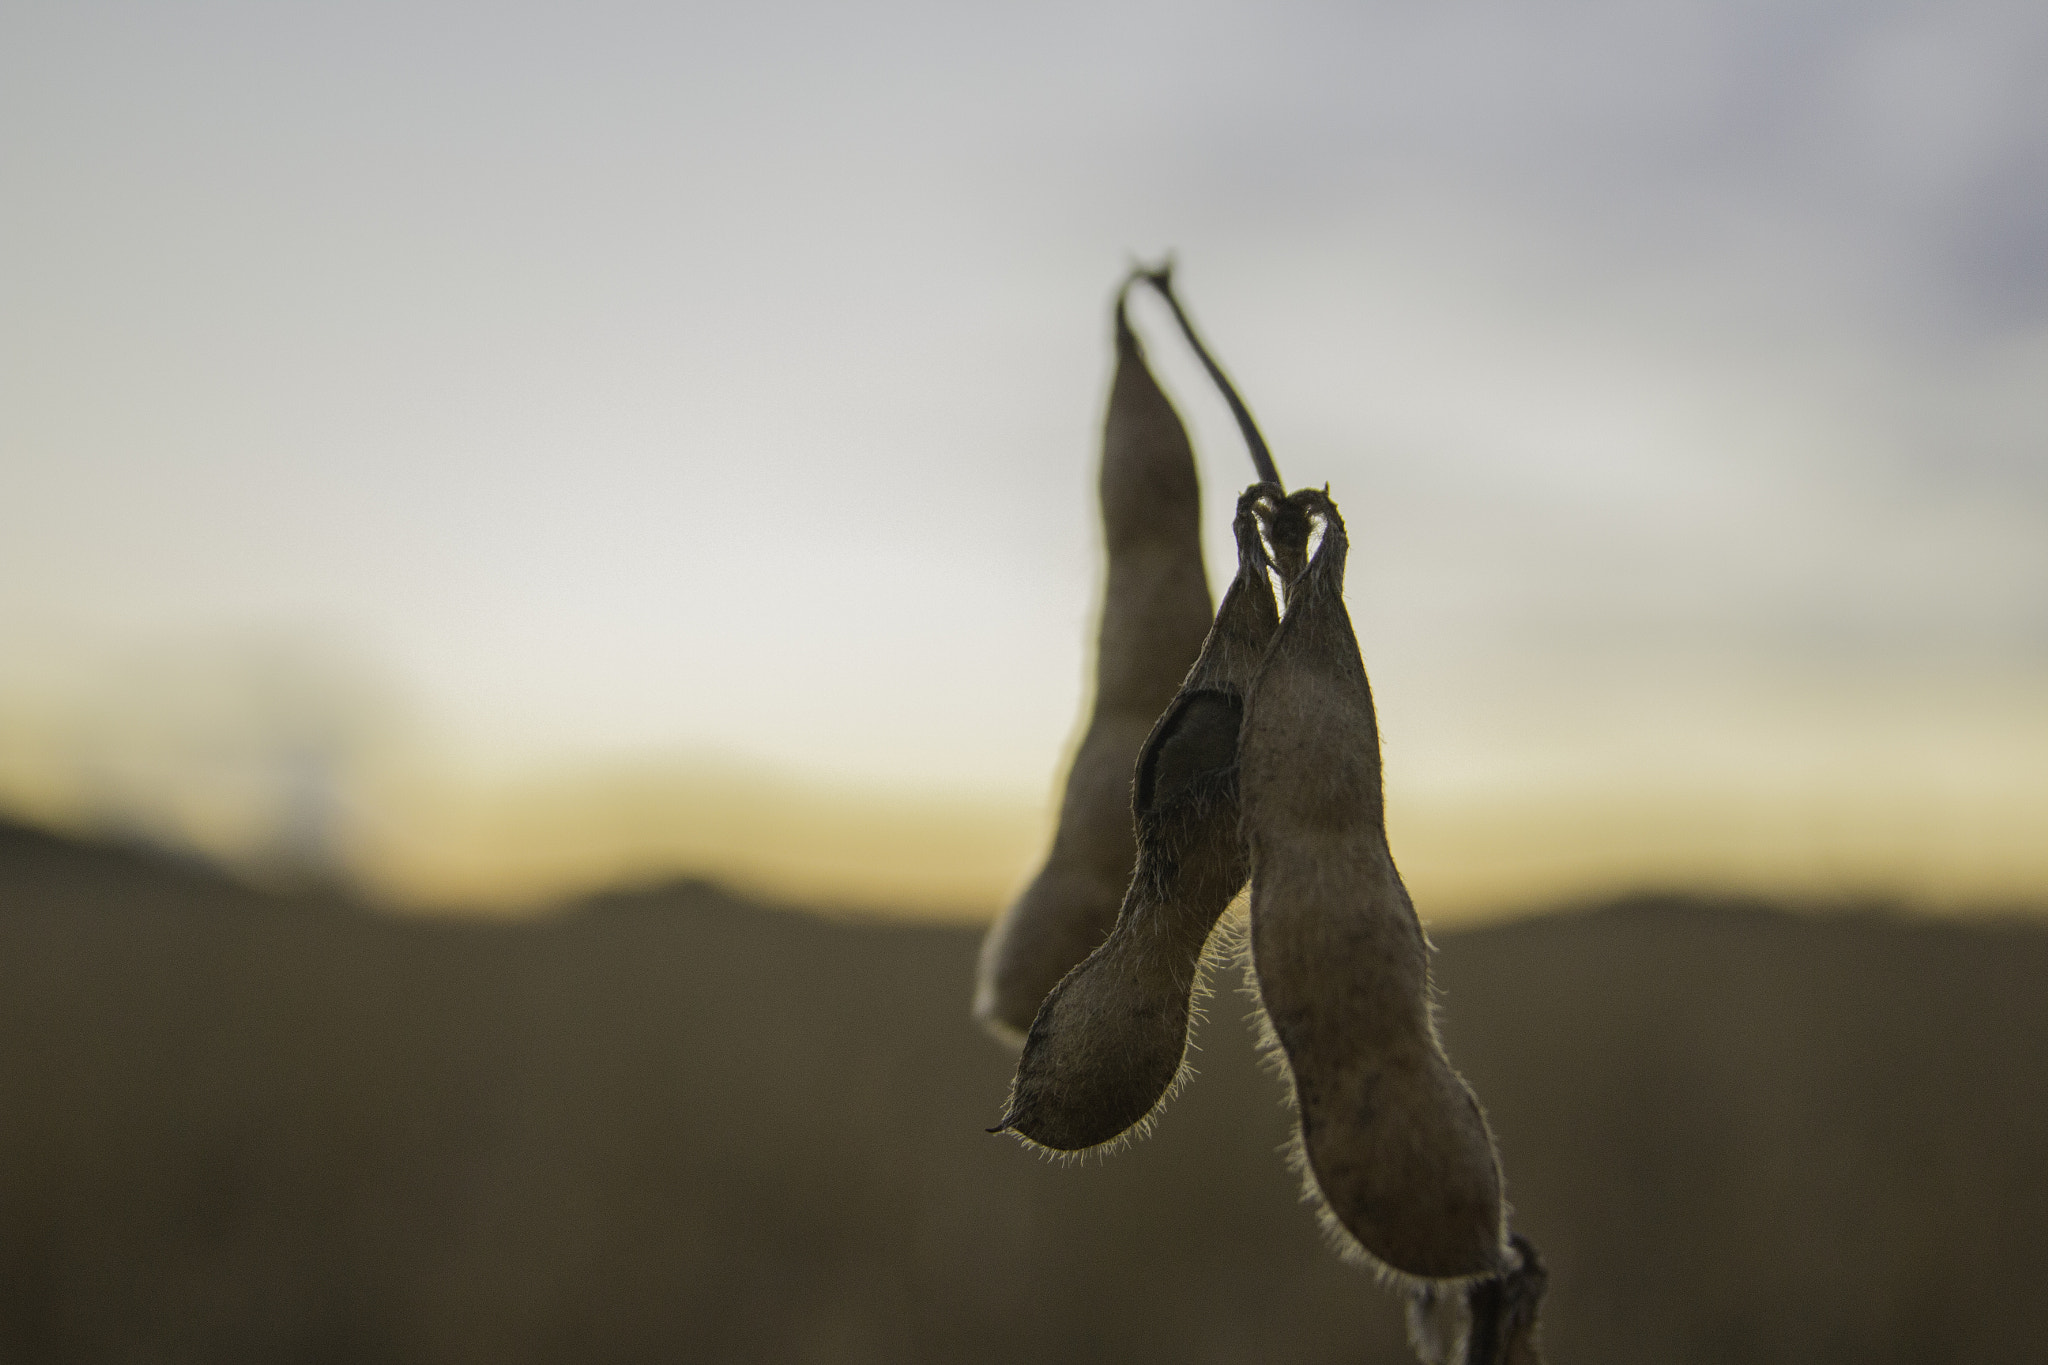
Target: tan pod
x,y
1108,1047
1155,613
1393,1145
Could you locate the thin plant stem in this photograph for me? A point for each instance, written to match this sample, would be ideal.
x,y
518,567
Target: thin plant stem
x,y
1160,277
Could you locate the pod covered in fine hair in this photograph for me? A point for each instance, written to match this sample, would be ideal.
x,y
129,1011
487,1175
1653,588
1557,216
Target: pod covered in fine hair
x,y
1393,1145
1109,1043
1155,614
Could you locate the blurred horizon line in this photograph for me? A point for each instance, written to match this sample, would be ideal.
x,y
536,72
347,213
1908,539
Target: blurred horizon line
x,y
524,850
276,759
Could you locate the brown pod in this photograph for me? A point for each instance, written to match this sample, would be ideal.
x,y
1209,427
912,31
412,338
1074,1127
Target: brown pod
x,y
1109,1045
1155,613
1392,1144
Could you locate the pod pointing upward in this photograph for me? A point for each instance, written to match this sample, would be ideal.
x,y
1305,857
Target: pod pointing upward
x,y
1392,1142
1155,614
1108,1046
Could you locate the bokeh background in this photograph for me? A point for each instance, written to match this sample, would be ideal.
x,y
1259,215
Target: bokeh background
x,y
465,442
457,460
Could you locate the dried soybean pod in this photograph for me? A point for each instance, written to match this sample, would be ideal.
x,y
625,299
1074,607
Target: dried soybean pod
x,y
1393,1146
1109,1045
1155,614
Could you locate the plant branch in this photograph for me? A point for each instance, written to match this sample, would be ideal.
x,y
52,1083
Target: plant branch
x,y
1161,278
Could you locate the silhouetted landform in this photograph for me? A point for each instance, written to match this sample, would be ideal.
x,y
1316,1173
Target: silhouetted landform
x,y
671,1126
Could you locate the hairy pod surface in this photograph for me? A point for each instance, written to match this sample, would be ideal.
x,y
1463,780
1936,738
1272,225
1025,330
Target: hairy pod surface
x,y
1110,1042
1155,615
1393,1143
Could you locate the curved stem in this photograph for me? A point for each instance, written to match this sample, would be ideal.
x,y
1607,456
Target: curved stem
x,y
1161,279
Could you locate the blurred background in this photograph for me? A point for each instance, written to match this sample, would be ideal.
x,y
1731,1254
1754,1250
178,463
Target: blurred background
x,y
457,461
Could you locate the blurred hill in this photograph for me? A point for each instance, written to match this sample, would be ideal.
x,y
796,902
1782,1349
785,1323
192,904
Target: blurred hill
x,y
669,1125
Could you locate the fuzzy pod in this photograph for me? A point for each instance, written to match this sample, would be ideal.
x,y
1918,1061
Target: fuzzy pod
x,y
1109,1045
1393,1146
1155,614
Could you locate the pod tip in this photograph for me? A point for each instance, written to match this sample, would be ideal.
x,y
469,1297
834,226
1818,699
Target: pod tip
x,y
1160,275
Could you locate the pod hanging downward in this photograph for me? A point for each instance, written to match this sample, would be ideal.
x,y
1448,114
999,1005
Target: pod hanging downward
x,y
1155,613
1393,1145
1108,1045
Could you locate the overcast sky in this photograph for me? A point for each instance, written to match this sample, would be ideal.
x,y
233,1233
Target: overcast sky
x,y
616,379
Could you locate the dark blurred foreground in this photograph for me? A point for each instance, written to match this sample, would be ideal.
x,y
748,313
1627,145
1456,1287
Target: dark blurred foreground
x,y
674,1127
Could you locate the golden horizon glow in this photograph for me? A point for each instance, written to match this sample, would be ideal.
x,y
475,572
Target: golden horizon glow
x,y
1942,812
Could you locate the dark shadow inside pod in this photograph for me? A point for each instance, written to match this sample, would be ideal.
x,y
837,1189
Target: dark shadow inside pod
x,y
1197,737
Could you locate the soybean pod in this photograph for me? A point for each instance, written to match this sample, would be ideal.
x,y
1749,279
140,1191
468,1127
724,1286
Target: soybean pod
x,y
1155,615
1392,1144
1109,1045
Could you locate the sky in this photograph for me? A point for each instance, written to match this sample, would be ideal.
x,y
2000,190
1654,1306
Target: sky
x,y
505,447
